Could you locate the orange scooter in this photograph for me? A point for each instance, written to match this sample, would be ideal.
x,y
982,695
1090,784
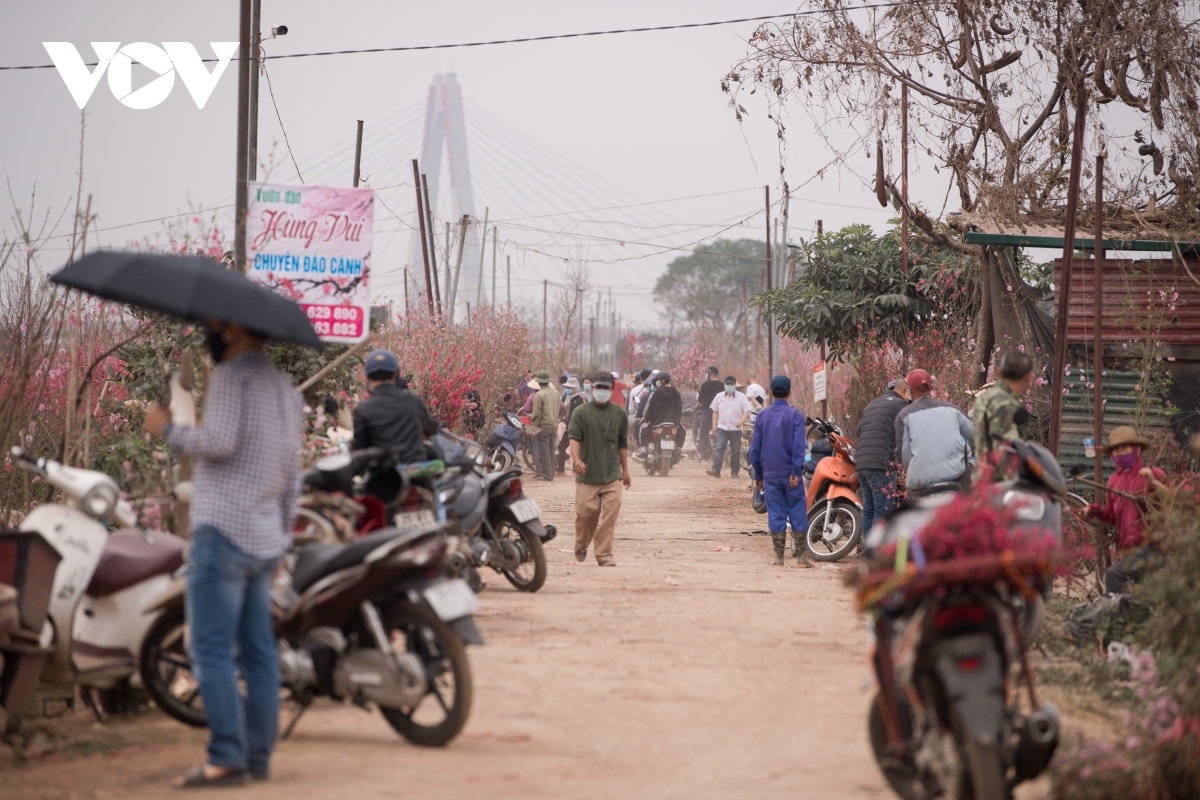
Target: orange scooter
x,y
834,507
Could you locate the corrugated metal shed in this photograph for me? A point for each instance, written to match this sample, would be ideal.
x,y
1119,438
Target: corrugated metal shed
x,y
1121,395
1137,298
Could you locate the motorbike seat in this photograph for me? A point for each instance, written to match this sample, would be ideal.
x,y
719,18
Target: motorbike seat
x,y
129,559
316,561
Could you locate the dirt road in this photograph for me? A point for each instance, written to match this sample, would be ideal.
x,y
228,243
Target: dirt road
x,y
691,670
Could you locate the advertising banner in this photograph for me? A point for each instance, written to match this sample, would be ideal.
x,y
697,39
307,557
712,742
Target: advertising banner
x,y
313,244
819,382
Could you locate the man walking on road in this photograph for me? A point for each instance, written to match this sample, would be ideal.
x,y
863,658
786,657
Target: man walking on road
x,y
875,454
709,390
599,434
932,437
545,418
777,464
243,505
731,409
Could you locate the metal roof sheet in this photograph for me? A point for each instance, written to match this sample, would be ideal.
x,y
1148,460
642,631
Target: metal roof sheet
x,y
1139,300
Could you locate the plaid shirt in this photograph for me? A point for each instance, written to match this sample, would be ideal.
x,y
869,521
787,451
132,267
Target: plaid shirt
x,y
247,454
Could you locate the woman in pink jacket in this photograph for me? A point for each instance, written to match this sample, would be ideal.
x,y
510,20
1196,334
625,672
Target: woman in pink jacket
x,y
1135,556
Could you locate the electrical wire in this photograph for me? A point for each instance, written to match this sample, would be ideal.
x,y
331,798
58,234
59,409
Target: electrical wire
x,y
288,144
549,37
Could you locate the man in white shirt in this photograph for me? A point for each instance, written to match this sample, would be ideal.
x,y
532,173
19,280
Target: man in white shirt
x,y
730,410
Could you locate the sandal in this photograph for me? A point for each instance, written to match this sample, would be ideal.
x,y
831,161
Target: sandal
x,y
195,778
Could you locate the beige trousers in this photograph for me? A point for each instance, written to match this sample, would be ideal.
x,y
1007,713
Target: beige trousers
x,y
596,509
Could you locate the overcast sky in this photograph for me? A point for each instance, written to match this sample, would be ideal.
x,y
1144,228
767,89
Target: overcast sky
x,y
571,126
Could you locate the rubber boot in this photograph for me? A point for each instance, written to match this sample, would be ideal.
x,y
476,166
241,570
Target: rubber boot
x,y
802,560
778,540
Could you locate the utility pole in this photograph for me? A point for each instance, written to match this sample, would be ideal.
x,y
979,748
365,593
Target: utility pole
x,y
406,291
824,403
462,240
357,151
769,270
1064,296
1097,328
545,308
424,234
451,287
904,183
241,190
745,324
482,251
591,341
783,249
495,246
508,276
255,55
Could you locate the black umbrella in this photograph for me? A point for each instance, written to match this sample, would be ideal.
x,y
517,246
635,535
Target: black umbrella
x,y
190,287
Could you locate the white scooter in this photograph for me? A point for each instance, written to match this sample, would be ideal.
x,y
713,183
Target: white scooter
x,y
106,581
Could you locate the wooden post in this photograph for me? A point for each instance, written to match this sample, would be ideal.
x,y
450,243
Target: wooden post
x,y
495,247
508,276
241,190
482,251
462,240
545,308
424,240
1097,327
1064,291
437,292
358,152
904,180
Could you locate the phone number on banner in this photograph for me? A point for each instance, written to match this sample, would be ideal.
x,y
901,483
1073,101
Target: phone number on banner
x,y
343,321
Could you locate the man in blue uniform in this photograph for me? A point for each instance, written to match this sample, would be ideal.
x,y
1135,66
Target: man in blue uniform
x,y
777,462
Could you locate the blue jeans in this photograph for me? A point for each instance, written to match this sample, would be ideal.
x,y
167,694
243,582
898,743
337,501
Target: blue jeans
x,y
785,504
731,439
879,495
228,609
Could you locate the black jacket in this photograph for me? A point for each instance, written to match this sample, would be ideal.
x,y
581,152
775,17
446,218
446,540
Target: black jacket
x,y
708,390
391,417
665,405
876,448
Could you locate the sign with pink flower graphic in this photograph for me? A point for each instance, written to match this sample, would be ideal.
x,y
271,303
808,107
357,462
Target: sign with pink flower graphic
x,y
313,244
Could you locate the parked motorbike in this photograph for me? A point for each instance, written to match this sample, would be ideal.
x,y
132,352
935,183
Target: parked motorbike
x,y
507,440
372,621
661,452
945,722
102,603
501,527
834,508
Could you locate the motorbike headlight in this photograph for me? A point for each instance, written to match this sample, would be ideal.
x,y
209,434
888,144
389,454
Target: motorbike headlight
x,y
1026,505
100,500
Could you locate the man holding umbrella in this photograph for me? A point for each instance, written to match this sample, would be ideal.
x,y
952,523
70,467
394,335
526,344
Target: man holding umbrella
x,y
244,488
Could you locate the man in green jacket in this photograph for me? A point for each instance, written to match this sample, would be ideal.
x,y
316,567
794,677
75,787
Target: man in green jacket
x,y
599,434
545,417
995,411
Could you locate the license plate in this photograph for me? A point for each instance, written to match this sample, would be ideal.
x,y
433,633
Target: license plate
x,y
526,509
407,520
667,444
452,600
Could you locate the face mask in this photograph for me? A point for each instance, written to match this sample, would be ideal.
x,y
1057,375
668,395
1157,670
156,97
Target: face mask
x,y
1126,461
567,392
216,346
587,387
602,395
730,388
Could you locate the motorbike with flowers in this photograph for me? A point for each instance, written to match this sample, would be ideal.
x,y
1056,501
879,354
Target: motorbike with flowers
x,y
954,585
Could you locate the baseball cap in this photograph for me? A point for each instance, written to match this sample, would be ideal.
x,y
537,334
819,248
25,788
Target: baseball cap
x,y
781,385
381,362
602,378
918,380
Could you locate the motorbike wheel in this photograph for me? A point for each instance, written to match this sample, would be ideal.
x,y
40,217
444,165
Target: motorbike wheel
x,y
527,456
759,501
530,575
500,459
664,464
899,774
842,513
166,670
417,630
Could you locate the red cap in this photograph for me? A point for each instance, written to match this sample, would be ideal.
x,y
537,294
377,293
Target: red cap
x,y
918,380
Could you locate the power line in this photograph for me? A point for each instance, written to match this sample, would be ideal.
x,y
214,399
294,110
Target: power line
x,y
271,91
549,37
